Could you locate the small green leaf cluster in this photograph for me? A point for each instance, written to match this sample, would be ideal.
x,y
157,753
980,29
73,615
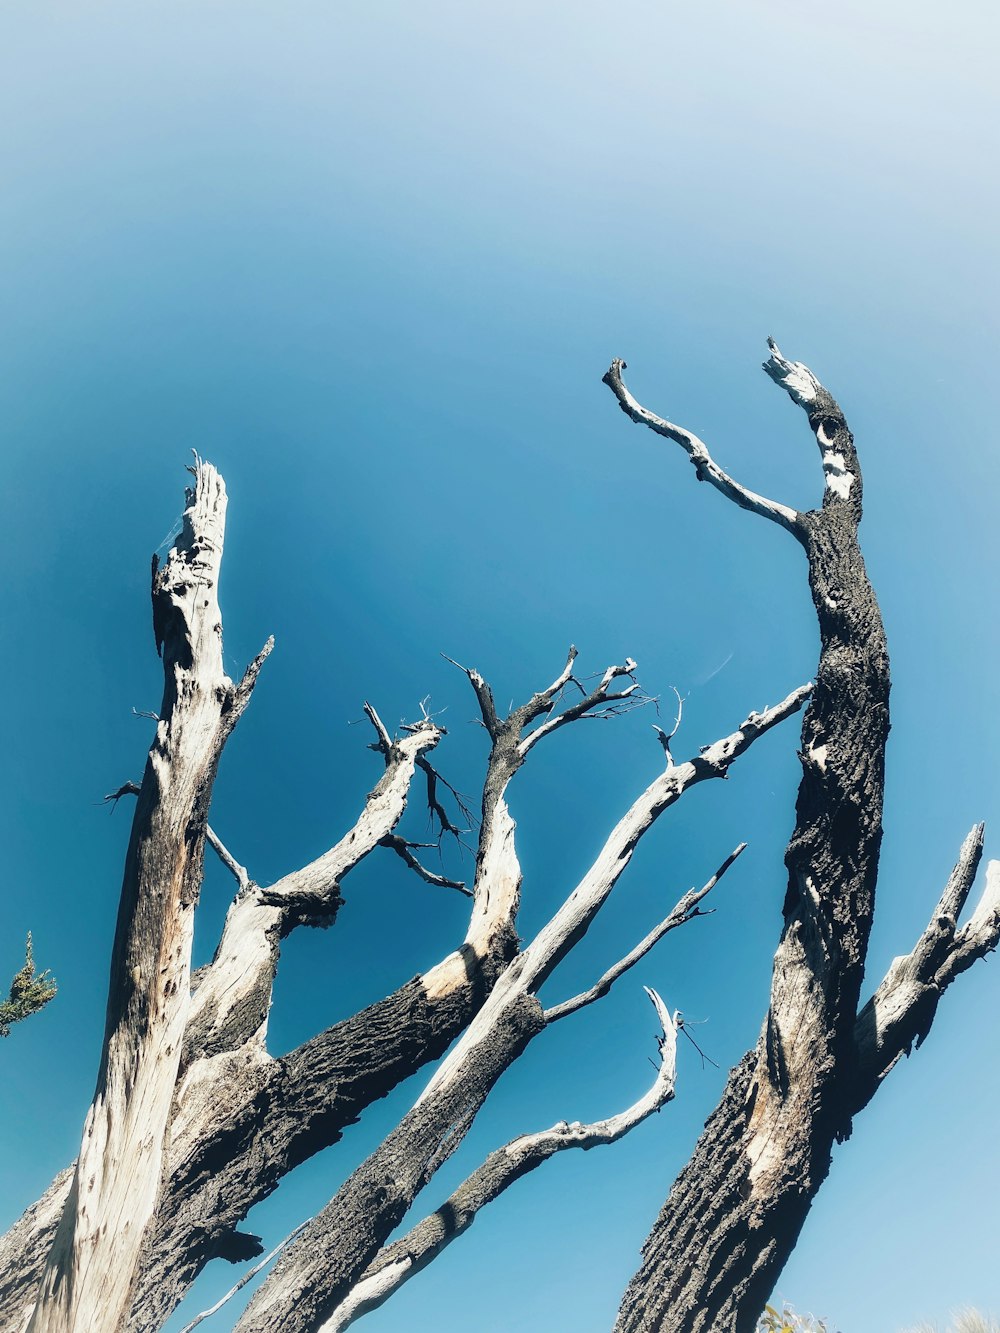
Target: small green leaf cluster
x,y
29,992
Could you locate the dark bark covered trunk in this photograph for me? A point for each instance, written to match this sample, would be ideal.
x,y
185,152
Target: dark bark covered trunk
x,y
283,1114
736,1210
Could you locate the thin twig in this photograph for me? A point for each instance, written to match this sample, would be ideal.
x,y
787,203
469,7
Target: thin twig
x,y
247,1277
686,910
402,849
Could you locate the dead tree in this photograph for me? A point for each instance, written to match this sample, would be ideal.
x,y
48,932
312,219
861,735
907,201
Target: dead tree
x,y
737,1207
193,1122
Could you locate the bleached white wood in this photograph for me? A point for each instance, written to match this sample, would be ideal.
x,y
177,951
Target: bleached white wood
x,y
88,1279
534,964
704,464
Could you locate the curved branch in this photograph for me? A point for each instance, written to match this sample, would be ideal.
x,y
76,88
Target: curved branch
x,y
601,702
704,464
402,848
397,1263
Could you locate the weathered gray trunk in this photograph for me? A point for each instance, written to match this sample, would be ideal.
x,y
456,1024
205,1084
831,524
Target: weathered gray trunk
x,y
282,1114
337,1246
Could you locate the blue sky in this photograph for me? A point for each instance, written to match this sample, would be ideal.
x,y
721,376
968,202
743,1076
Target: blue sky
x,y
372,262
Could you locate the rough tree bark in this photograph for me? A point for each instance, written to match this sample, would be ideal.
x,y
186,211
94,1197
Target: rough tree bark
x,y
736,1209
320,1270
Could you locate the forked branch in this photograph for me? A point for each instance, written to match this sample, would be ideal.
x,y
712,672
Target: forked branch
x,y
685,910
900,1013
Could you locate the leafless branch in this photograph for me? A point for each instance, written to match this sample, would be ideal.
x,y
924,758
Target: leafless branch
x,y
126,789
483,693
245,688
900,1013
665,737
312,892
384,741
239,873
434,805
706,469
402,848
685,910
247,1277
542,703
602,702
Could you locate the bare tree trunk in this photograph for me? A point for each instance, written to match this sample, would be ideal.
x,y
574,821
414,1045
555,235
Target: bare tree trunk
x,y
88,1279
736,1210
193,1121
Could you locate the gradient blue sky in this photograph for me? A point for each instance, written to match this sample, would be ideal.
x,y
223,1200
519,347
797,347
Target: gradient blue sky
x,y
372,261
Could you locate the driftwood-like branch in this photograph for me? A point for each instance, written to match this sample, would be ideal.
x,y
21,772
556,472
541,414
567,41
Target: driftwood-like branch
x,y
402,1260
497,885
239,873
899,1015
483,693
237,1287
705,466
383,741
602,702
576,915
685,910
665,737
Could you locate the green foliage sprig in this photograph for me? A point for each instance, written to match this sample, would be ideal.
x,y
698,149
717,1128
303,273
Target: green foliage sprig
x,y
29,992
